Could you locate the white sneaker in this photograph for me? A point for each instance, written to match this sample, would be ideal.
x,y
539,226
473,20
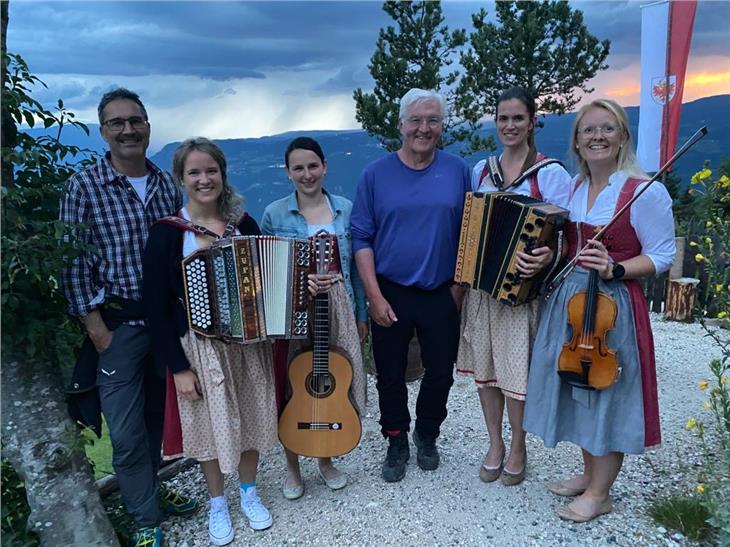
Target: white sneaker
x,y
258,515
220,528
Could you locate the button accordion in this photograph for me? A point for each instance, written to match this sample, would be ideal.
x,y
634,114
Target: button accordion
x,y
495,226
249,288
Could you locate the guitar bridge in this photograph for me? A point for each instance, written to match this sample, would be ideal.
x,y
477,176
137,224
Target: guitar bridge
x,y
320,426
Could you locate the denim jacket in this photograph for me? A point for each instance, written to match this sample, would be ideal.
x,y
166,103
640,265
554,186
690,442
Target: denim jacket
x,y
282,218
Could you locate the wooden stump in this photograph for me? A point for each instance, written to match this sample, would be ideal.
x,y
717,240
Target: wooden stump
x,y
680,299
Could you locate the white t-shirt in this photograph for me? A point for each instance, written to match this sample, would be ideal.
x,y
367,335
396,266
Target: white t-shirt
x,y
140,185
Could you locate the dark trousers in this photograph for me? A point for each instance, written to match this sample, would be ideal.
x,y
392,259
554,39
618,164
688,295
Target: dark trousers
x,y
132,400
435,319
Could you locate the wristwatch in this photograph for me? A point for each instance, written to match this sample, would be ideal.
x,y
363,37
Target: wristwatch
x,y
618,271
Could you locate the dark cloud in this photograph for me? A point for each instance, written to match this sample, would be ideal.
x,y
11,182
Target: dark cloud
x,y
217,40
346,80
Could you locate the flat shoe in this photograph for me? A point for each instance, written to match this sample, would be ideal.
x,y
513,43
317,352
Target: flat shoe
x,y
292,491
559,488
566,513
335,483
491,474
513,479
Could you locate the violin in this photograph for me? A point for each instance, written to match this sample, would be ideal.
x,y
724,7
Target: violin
x,y
586,361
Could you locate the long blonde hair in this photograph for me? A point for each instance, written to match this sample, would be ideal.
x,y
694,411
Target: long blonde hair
x,y
626,160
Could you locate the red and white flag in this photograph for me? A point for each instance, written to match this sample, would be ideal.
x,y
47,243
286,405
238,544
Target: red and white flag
x,y
666,33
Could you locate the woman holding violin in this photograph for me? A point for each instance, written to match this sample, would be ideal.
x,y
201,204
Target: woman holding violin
x,y
496,339
592,376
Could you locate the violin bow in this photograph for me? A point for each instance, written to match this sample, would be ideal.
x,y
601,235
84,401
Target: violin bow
x,y
563,274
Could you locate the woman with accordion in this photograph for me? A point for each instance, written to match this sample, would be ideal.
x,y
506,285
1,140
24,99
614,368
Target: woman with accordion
x,y
496,339
223,392
622,415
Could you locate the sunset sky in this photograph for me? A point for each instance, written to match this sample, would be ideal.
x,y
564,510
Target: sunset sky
x,y
248,69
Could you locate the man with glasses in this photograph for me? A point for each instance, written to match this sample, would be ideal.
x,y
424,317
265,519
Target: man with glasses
x,y
405,226
115,201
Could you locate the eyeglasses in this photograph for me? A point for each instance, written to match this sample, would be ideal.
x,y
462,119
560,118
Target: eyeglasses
x,y
432,123
117,124
588,131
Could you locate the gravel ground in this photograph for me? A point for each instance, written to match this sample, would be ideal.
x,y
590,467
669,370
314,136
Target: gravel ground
x,y
451,506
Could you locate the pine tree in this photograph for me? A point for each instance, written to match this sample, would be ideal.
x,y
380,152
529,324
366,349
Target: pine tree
x,y
415,54
543,47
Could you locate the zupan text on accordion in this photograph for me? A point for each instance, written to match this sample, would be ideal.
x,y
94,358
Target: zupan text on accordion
x,y
248,288
495,226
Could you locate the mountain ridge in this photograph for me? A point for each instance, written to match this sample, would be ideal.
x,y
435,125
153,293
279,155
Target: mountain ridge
x,y
256,164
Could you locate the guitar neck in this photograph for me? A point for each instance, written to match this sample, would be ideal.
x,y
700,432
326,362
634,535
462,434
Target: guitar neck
x,y
321,330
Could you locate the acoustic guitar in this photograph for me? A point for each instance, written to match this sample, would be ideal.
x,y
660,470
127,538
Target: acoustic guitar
x,y
320,420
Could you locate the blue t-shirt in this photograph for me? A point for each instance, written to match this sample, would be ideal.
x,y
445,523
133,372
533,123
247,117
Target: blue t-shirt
x,y
410,218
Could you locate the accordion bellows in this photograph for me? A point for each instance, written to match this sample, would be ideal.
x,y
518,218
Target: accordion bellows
x,y
248,288
495,226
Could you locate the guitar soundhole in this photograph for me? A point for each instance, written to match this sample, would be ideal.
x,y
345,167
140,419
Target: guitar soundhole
x,y
320,385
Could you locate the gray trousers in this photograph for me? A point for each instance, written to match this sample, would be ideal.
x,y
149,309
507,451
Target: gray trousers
x,y
133,401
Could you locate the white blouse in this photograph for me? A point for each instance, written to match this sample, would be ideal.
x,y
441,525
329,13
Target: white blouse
x,y
650,216
190,243
553,181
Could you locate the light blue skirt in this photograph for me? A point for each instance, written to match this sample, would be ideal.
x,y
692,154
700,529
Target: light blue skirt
x,y
600,421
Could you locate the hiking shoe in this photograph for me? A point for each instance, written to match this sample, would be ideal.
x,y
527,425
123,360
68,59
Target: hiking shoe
x,y
258,515
148,536
427,455
176,505
394,466
220,528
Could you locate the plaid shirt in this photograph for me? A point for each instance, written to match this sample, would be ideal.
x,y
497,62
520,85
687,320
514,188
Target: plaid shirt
x,y
117,224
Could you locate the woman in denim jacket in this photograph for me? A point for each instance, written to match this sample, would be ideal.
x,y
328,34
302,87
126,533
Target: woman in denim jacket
x,y
304,212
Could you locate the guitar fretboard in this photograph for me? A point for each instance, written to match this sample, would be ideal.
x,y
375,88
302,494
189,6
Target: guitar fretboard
x,y
321,344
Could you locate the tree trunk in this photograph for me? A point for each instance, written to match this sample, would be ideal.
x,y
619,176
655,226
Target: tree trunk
x,y
680,299
42,444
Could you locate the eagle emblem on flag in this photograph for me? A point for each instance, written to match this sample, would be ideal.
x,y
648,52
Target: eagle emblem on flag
x,y
662,89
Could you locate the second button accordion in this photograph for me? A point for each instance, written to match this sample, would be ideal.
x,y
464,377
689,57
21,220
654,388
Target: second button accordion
x,y
495,226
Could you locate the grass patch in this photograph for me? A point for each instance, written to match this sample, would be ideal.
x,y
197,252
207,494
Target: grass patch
x,y
99,451
683,513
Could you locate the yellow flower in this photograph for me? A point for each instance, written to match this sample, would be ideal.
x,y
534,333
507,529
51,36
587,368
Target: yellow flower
x,y
708,224
704,174
722,315
700,488
708,241
699,257
724,181
691,423
693,244
703,384
695,179
707,405
718,289
723,380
